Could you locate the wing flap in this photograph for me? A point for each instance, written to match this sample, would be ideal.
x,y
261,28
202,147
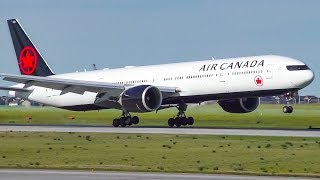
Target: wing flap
x,y
14,89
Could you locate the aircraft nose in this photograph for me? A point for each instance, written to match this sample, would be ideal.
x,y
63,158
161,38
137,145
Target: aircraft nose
x,y
303,78
308,78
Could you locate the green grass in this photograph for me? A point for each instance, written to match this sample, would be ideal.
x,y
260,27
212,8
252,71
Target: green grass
x,y
163,153
266,116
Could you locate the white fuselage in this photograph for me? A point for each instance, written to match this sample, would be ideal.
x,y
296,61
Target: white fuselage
x,y
262,75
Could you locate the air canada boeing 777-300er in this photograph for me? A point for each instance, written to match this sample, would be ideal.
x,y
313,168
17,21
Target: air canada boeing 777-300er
x,y
236,83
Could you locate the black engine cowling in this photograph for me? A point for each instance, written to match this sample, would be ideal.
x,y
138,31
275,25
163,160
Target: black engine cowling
x,y
142,98
241,105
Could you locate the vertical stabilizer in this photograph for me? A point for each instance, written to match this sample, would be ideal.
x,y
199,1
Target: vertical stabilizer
x,y
29,59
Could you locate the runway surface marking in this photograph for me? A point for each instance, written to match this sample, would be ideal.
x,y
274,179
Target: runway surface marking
x,y
7,174
144,130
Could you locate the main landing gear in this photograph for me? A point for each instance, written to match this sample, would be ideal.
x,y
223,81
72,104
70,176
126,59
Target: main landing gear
x,y
125,120
181,119
289,97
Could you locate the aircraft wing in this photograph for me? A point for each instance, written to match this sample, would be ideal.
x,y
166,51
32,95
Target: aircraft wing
x,y
75,86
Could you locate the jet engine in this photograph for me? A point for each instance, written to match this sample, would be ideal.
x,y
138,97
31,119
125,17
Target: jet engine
x,y
241,105
143,98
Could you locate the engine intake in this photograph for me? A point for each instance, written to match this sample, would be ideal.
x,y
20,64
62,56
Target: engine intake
x,y
144,98
241,105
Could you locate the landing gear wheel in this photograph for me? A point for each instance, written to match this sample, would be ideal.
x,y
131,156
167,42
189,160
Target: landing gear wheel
x,y
177,121
128,121
287,109
190,120
135,120
123,122
183,121
181,118
116,123
171,122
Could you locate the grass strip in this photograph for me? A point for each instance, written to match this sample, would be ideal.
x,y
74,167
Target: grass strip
x,y
162,153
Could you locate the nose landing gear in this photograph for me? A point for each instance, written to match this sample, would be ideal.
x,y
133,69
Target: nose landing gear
x,y
287,109
181,119
289,97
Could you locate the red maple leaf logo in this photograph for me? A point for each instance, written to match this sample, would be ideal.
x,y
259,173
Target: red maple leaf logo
x,y
258,80
28,60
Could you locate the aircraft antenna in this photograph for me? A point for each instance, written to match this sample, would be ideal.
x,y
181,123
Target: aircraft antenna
x,y
94,67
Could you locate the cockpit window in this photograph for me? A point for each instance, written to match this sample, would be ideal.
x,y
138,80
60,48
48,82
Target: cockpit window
x,y
297,67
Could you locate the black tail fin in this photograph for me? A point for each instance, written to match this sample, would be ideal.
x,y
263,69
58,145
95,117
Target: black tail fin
x,y
29,59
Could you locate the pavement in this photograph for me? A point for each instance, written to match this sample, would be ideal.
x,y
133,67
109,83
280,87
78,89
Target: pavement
x,y
10,174
159,130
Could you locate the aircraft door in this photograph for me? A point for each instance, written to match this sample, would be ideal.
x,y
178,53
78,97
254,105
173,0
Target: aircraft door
x,y
269,73
222,77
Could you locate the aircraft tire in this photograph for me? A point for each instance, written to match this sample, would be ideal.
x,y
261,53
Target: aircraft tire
x,y
128,120
171,122
123,122
135,120
190,120
116,123
183,121
177,121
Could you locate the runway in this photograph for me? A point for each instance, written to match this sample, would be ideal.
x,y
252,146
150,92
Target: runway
x,y
82,175
158,130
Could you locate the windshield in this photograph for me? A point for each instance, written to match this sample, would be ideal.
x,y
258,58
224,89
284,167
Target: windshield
x,y
297,67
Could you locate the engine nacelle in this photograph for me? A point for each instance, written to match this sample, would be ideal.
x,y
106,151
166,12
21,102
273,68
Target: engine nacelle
x,y
142,98
241,105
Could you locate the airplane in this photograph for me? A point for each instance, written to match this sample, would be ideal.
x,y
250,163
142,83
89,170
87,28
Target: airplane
x,y
236,83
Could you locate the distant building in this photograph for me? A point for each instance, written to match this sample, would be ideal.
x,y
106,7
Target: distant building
x,y
26,103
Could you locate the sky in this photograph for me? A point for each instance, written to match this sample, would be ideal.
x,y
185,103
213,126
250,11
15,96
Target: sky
x,y
72,35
